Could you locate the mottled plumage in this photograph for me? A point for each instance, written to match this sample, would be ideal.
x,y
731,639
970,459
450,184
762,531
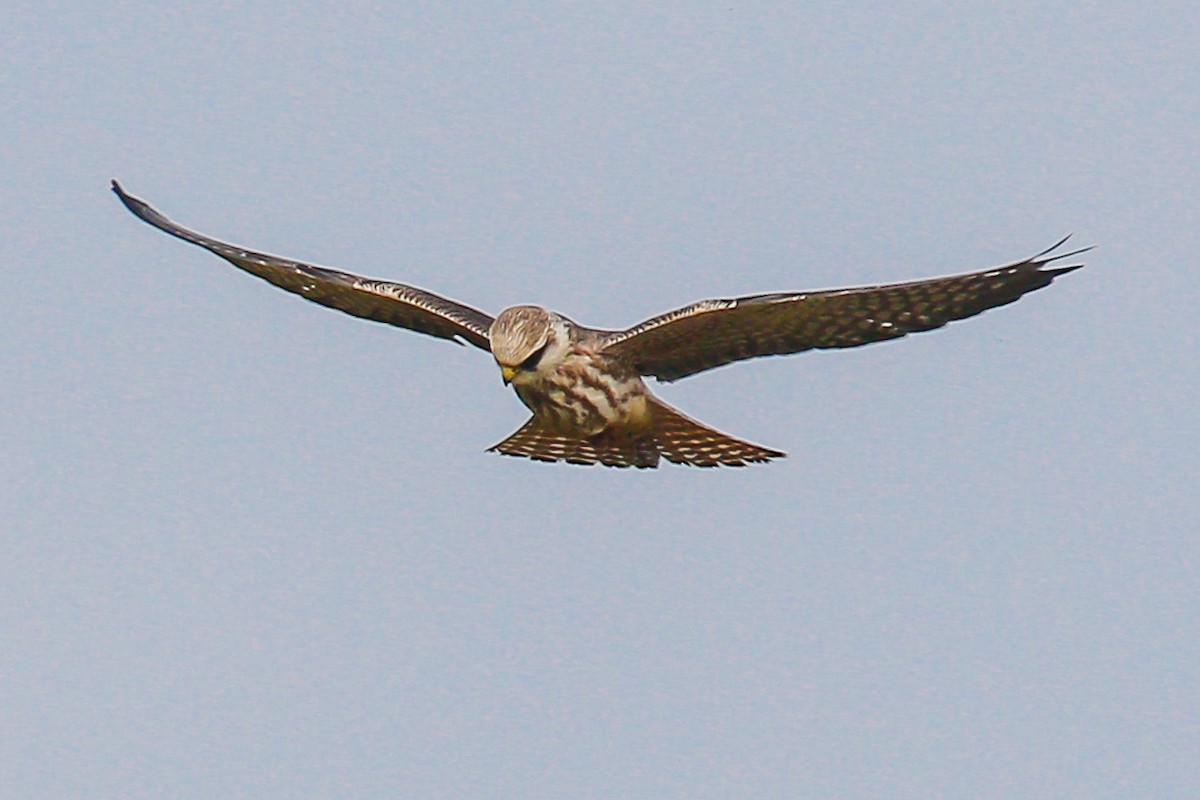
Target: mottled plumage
x,y
584,385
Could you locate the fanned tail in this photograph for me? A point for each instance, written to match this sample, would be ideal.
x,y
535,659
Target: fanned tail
x,y
670,434
612,448
683,440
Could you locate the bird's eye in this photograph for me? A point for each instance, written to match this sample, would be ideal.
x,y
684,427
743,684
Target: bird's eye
x,y
532,362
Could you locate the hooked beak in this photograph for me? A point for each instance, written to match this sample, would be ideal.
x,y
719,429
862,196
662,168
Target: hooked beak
x,y
507,373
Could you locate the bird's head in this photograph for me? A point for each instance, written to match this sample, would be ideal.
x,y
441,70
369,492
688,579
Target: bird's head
x,y
527,341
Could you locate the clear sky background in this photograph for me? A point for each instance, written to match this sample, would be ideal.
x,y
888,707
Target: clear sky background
x,y
252,547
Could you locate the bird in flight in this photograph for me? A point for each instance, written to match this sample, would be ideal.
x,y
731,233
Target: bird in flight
x,y
585,386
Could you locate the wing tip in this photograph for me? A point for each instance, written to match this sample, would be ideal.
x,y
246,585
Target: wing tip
x,y
1057,271
139,208
120,192
1043,258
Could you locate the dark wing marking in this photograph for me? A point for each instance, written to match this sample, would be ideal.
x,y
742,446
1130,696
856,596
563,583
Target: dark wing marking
x,y
381,301
712,333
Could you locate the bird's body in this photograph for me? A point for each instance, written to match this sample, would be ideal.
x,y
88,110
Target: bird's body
x,y
572,385
591,407
585,387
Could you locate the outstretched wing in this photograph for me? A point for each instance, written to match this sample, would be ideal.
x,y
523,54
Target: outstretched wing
x,y
393,303
712,333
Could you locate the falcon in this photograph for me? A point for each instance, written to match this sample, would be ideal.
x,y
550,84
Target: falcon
x,y
585,386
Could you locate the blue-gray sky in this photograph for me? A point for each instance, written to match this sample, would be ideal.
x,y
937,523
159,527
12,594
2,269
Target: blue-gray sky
x,y
254,548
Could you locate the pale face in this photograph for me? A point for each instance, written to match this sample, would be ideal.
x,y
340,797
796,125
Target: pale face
x,y
526,341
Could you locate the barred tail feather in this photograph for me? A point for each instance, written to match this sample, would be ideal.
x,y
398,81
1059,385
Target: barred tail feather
x,y
671,434
612,448
683,440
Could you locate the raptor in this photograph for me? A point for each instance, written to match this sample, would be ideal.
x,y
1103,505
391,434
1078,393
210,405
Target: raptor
x,y
585,385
